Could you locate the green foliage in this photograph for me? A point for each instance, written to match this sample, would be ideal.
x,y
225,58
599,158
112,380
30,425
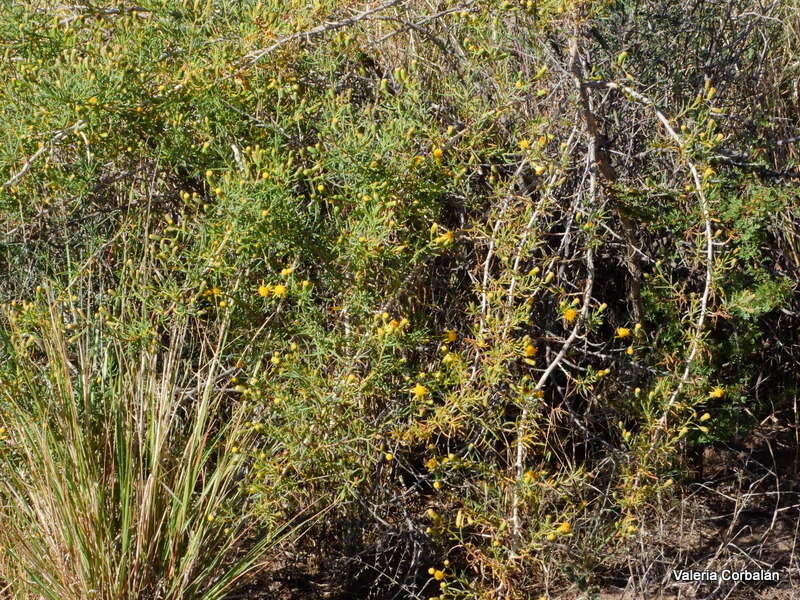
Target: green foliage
x,y
413,315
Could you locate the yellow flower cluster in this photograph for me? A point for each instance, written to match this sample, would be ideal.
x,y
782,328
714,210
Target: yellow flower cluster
x,y
279,290
276,291
391,326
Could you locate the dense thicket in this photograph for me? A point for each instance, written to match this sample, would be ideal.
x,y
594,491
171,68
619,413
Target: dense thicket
x,y
416,299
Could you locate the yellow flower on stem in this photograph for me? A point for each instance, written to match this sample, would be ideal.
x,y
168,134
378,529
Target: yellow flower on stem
x,y
565,528
623,332
445,239
530,476
419,391
279,291
264,290
717,392
570,315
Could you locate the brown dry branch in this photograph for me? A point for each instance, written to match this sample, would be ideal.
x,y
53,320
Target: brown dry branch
x,y
520,447
600,159
701,319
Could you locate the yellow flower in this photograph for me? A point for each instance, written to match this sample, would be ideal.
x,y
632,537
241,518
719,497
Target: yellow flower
x,y
623,332
92,100
438,575
565,528
445,239
531,350
717,392
531,476
437,153
279,291
551,537
524,144
264,290
450,335
431,464
389,456
437,485
287,271
705,417
570,315
419,391
629,350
